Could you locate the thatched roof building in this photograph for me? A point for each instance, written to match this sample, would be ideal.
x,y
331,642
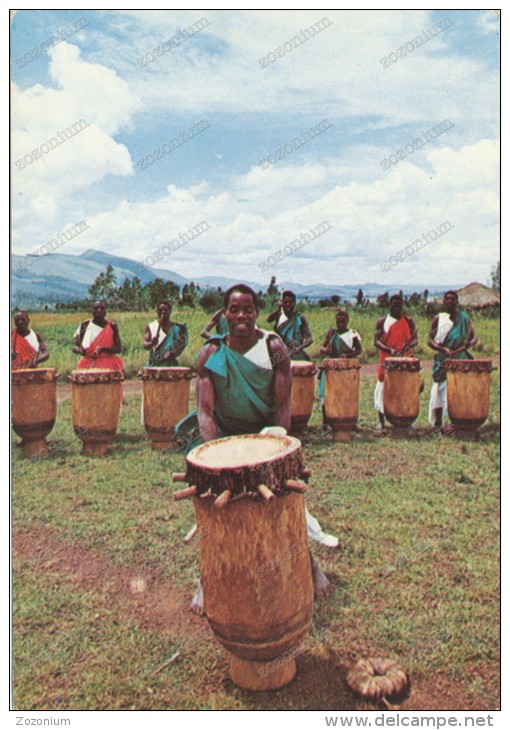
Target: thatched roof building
x,y
476,295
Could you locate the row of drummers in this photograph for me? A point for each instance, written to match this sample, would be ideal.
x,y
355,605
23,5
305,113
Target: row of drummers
x,y
97,397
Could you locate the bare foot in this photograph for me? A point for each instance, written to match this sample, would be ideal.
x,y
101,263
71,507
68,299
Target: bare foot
x,y
321,584
197,604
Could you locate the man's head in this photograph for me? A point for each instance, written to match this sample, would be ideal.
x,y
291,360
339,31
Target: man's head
x,y
99,311
21,322
450,301
342,320
288,302
396,306
241,310
164,310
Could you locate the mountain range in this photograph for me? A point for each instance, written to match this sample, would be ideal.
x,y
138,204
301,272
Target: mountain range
x,y
59,277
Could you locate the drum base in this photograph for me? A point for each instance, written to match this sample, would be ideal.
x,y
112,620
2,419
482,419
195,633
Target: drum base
x,y
34,448
464,434
161,445
342,436
401,432
91,449
256,676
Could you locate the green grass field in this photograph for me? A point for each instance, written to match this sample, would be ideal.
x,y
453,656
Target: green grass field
x,y
416,576
58,331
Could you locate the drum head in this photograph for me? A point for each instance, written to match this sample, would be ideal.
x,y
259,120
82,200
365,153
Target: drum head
x,y
247,451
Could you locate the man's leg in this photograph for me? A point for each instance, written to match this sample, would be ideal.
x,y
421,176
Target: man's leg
x,y
321,584
379,403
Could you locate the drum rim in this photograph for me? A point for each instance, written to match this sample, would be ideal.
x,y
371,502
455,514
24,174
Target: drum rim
x,y
295,448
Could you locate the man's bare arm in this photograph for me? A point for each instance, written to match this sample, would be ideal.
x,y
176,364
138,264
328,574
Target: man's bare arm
x,y
282,381
43,350
205,396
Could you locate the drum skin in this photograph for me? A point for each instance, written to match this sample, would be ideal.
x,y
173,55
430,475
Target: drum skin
x,y
342,394
256,615
96,398
302,394
34,407
402,382
468,392
165,402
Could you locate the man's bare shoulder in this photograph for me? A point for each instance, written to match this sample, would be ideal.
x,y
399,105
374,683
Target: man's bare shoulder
x,y
203,356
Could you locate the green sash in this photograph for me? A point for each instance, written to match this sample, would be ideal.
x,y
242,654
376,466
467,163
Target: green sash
x,y
290,332
338,347
456,337
176,338
243,394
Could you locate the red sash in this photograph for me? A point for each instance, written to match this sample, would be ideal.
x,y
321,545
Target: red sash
x,y
25,353
397,338
106,361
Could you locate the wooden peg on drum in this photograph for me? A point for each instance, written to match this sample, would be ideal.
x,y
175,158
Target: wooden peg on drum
x,y
224,498
266,492
295,486
184,493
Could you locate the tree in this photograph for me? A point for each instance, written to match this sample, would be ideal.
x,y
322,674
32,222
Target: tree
x,y
104,285
495,281
272,292
335,299
359,297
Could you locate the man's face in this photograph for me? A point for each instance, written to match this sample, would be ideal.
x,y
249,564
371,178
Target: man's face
x,y
288,306
396,308
99,311
342,321
450,302
164,311
21,321
241,314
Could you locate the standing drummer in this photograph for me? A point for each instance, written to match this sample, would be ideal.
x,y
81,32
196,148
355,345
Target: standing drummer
x,y
395,336
340,342
292,327
450,336
217,321
165,340
97,340
28,348
243,387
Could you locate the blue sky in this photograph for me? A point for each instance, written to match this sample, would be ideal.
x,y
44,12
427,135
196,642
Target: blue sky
x,y
215,75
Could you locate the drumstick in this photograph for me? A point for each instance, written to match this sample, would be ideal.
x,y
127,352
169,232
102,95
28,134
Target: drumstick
x,y
157,336
295,486
183,493
179,476
265,492
223,499
191,534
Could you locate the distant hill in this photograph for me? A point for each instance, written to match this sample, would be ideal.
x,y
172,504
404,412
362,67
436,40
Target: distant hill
x,y
60,277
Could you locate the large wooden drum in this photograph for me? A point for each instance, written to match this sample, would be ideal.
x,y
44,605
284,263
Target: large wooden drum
x,y
468,391
165,402
96,396
258,607
302,394
402,381
342,395
34,407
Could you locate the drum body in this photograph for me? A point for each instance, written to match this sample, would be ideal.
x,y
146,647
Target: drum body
x,y
34,407
96,396
468,392
302,394
342,395
402,381
256,571
165,402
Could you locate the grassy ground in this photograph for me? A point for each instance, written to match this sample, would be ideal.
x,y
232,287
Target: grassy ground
x,y
416,577
58,331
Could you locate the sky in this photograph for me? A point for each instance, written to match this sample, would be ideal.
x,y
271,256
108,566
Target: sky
x,y
254,100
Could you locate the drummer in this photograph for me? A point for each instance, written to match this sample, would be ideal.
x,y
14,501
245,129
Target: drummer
x,y
395,336
340,342
240,391
450,336
292,327
165,340
97,340
28,348
219,322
